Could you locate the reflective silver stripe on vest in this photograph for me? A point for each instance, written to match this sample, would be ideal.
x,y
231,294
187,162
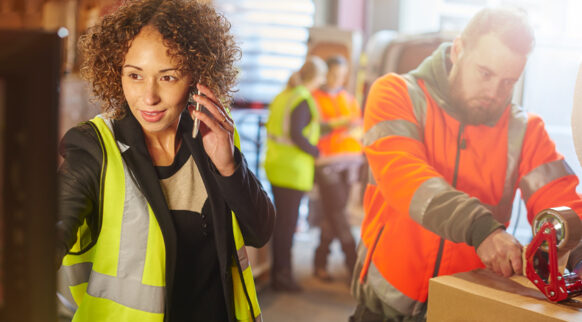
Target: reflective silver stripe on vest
x,y
72,276
418,99
424,195
542,175
127,291
78,273
515,135
134,227
390,294
401,127
376,293
391,127
126,288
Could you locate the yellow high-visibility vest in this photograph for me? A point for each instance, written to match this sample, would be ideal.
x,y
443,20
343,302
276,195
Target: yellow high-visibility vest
x,y
286,165
122,276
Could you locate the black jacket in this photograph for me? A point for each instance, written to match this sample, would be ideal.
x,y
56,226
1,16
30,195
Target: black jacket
x,y
241,192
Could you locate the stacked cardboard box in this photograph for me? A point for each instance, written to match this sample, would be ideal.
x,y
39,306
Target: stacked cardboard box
x,y
480,295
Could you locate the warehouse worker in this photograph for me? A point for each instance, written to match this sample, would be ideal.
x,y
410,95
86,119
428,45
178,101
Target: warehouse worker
x,y
338,165
154,215
447,151
292,134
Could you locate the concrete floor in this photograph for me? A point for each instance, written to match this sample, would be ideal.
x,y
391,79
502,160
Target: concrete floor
x,y
319,301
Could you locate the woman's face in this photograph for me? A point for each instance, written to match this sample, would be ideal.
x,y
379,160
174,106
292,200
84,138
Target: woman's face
x,y
153,86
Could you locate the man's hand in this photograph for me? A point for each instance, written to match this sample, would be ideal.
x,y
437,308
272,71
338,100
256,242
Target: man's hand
x,y
501,253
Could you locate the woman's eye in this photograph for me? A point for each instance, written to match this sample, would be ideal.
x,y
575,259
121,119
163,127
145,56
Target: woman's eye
x,y
169,78
134,76
485,74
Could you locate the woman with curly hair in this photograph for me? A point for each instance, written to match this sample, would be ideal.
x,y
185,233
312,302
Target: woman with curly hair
x,y
156,201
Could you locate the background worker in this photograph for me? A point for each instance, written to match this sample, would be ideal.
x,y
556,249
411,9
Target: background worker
x,y
338,165
152,218
447,151
292,135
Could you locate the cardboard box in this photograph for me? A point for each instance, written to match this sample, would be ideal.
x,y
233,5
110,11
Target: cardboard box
x,y
481,295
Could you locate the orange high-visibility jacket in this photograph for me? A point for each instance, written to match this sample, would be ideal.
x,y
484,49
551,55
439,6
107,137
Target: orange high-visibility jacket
x,y
334,106
439,188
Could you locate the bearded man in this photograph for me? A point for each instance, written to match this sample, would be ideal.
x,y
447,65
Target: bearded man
x,y
447,151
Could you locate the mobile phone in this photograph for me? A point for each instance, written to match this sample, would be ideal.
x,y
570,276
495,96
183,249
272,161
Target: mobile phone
x,y
196,120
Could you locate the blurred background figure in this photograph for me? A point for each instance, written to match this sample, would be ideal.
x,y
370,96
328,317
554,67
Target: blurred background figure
x,y
292,132
338,165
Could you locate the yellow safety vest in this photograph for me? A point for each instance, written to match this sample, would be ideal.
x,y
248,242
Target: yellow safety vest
x,y
107,286
286,165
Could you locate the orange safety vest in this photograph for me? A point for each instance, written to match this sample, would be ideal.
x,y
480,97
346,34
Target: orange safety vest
x,y
334,106
415,151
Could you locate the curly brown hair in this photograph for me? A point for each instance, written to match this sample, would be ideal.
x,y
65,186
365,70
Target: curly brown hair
x,y
197,37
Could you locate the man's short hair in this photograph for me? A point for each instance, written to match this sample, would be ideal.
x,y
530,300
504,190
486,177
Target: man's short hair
x,y
511,25
336,60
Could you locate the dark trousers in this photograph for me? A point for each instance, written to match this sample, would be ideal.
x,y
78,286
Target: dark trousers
x,y
334,190
363,314
287,206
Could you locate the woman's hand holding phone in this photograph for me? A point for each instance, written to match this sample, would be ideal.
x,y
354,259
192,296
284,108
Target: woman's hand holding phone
x,y
216,128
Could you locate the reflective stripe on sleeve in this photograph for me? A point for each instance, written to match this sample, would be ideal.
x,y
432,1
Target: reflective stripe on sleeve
x,y
542,175
424,195
391,127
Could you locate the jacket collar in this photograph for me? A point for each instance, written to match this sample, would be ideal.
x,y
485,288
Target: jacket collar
x,y
434,71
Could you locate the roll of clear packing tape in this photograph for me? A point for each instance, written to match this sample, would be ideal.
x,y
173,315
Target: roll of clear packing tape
x,y
566,223
568,229
577,115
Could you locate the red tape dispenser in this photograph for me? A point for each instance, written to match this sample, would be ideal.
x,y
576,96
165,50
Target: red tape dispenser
x,y
556,231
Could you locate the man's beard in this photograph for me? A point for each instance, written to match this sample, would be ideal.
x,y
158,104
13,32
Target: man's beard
x,y
476,113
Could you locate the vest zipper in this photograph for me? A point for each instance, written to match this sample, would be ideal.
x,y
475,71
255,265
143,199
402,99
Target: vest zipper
x,y
460,146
